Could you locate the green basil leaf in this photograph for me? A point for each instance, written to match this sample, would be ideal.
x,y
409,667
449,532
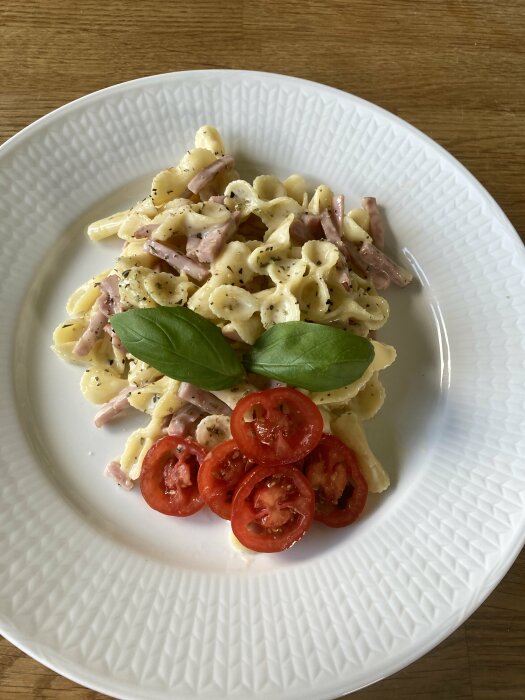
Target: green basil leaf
x,y
310,356
181,344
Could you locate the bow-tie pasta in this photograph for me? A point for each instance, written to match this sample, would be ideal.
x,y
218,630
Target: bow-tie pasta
x,y
246,256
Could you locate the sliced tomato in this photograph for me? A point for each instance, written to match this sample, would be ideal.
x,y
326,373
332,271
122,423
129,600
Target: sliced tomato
x,y
221,471
276,426
168,480
272,508
340,488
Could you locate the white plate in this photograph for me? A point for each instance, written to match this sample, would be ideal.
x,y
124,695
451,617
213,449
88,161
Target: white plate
x,y
104,590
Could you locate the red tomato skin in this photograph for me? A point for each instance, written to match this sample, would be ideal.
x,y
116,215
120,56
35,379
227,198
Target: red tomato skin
x,y
277,447
218,492
244,514
180,501
332,452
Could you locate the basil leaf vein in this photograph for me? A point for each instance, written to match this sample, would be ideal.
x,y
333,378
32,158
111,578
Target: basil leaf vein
x,y
310,356
180,344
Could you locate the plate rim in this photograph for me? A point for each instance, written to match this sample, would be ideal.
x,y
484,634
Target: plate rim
x,y
89,97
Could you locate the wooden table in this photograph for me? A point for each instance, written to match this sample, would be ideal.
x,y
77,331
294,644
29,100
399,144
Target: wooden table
x,y
454,69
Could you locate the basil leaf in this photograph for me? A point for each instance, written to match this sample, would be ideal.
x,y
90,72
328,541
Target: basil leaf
x,y
310,356
181,344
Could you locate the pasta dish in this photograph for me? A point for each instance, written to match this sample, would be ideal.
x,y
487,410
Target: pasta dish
x,y
248,258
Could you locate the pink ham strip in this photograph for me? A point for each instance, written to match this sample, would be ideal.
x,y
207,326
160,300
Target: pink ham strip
x,y
347,250
113,408
313,224
206,175
176,260
331,233
109,287
380,262
306,227
377,227
333,236
90,336
203,399
215,238
145,231
184,420
298,232
212,244
362,266
107,304
114,471
379,279
192,245
217,198
354,260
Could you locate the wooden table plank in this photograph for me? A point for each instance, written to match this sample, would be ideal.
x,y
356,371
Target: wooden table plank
x,y
455,70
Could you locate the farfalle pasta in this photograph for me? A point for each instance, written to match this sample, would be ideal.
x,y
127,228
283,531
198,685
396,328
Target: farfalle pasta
x,y
245,256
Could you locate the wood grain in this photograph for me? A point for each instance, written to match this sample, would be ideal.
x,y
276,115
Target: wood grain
x,y
455,70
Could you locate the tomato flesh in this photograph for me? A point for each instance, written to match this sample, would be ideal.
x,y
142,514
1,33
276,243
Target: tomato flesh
x,y
340,488
168,480
273,508
220,472
276,426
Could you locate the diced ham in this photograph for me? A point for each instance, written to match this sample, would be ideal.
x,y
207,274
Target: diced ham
x,y
313,224
217,198
368,261
206,175
203,399
354,259
298,231
306,228
192,245
252,228
92,333
110,300
331,232
379,261
176,260
377,227
348,252
145,231
184,420
112,408
333,236
114,471
215,238
379,279
107,304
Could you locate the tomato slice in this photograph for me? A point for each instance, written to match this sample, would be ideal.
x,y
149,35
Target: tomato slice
x,y
221,471
168,480
340,488
272,508
276,426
